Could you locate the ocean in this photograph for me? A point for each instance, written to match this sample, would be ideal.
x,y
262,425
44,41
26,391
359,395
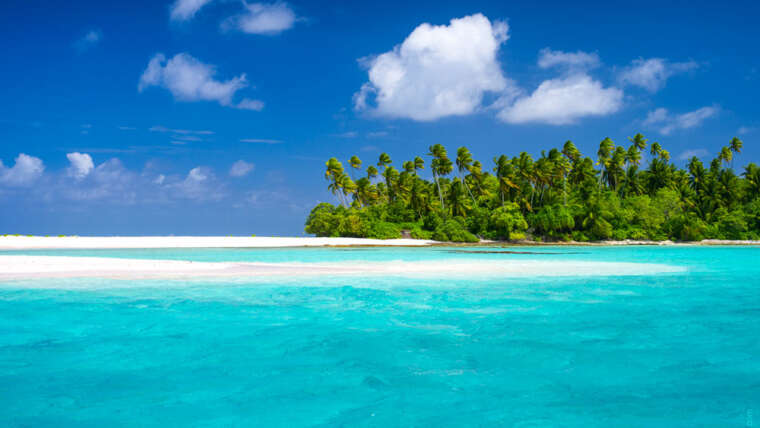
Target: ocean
x,y
671,341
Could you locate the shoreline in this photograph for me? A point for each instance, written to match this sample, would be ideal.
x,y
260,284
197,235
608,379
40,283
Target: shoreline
x,y
23,242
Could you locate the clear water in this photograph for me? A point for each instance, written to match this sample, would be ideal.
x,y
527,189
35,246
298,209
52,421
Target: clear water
x,y
672,350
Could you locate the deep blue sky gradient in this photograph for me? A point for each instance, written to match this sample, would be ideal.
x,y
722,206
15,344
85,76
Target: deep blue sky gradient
x,y
51,91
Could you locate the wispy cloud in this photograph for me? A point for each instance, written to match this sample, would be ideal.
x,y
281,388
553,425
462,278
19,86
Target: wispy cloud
x,y
347,134
688,154
573,60
183,10
260,141
262,18
377,134
743,130
667,122
89,40
652,74
127,128
241,168
159,128
190,80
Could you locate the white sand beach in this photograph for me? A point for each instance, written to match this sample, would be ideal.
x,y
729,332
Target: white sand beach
x,y
14,267
20,242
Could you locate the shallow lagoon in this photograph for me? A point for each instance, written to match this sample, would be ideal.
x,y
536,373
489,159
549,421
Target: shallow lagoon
x,y
672,349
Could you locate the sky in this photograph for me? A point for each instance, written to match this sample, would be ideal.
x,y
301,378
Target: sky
x,y
215,117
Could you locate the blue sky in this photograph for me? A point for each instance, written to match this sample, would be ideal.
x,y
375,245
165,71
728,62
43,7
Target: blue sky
x,y
216,116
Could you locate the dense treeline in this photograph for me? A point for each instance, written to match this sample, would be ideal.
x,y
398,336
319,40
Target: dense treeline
x,y
629,192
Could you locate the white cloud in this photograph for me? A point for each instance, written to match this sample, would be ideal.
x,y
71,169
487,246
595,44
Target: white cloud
x,y
182,10
260,141
262,18
667,122
574,60
438,71
347,134
653,73
89,40
159,128
688,154
26,171
199,184
81,165
191,80
249,104
241,168
743,130
563,101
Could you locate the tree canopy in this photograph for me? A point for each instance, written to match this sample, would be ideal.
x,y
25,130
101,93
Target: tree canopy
x,y
630,191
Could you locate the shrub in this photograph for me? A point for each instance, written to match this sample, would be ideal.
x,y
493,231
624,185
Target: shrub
x,y
453,231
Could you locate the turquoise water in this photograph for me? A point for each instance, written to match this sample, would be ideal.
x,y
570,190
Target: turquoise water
x,y
678,349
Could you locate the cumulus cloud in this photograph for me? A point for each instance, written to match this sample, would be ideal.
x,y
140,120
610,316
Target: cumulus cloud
x,y
666,122
183,10
109,180
200,184
574,60
566,99
189,80
652,74
241,168
438,71
563,101
262,18
80,165
24,172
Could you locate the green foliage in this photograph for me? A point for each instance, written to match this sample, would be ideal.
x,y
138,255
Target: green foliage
x,y
506,220
453,231
630,191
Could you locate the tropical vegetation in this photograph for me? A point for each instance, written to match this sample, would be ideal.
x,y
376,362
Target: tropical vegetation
x,y
631,191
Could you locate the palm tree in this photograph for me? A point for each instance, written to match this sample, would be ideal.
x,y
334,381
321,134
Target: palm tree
x,y
605,151
440,166
639,142
419,163
570,151
726,155
752,176
371,172
464,163
408,167
334,173
736,146
355,163
383,161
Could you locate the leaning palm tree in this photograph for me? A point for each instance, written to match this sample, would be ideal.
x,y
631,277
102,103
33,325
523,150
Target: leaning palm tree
x,y
419,163
383,161
371,172
355,163
440,166
606,147
464,163
736,146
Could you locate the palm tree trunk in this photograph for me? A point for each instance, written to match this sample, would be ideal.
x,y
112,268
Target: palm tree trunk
x,y
440,195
